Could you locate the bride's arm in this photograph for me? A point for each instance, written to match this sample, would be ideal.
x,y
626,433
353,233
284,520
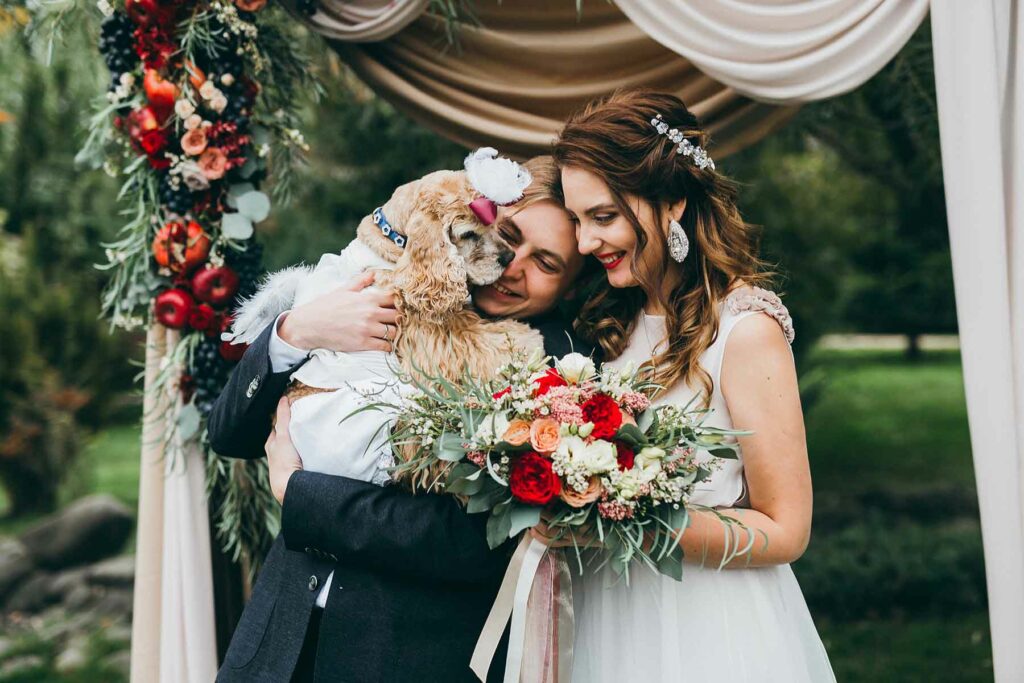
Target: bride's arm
x,y
760,387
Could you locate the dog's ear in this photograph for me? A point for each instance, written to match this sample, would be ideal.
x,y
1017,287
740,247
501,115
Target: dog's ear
x,y
430,278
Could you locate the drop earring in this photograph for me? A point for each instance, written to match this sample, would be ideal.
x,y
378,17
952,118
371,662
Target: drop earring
x,y
678,244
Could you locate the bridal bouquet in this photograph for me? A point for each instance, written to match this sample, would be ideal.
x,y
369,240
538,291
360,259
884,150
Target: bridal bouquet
x,y
582,449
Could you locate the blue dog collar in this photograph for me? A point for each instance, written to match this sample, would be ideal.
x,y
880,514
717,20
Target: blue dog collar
x,y
381,221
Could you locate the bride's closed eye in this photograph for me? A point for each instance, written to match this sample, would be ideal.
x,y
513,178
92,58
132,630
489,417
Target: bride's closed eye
x,y
604,218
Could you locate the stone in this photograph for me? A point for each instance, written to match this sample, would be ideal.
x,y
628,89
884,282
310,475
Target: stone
x,y
66,581
33,594
88,530
114,603
119,633
115,571
15,564
79,597
6,645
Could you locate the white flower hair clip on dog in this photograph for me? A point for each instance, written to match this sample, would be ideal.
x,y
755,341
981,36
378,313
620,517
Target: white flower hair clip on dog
x,y
500,180
684,146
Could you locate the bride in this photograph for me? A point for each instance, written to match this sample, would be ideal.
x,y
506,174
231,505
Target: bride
x,y
683,292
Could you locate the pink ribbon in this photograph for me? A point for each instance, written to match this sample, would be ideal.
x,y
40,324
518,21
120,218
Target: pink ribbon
x,y
485,209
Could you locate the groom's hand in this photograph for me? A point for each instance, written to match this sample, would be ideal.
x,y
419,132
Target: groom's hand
x,y
349,318
282,458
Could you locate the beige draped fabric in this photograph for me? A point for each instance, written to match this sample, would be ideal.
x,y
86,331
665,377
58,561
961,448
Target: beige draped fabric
x,y
365,21
531,63
979,65
782,51
173,635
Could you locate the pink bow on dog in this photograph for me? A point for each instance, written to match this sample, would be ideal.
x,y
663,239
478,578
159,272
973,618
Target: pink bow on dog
x,y
485,209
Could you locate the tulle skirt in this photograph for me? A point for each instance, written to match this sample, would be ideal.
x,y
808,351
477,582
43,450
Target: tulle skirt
x,y
729,626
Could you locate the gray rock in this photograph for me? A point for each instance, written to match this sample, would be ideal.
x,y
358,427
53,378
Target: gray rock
x,y
33,594
15,564
74,655
119,633
16,666
6,645
114,603
79,597
66,581
88,530
115,571
120,661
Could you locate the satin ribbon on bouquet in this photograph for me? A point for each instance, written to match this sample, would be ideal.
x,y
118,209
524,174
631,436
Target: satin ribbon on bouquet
x,y
536,592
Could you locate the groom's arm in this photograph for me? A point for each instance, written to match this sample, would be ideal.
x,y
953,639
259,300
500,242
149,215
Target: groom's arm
x,y
388,529
240,420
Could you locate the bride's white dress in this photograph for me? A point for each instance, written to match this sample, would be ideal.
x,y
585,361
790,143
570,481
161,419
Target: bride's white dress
x,y
729,626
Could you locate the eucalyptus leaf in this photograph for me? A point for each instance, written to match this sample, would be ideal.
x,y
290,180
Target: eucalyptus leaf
x,y
727,453
524,517
253,205
486,499
235,226
672,564
632,436
188,421
449,447
250,166
238,189
646,420
499,523
466,486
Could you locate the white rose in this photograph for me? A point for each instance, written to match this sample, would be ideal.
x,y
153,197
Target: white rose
x,y
193,122
184,109
207,89
194,176
585,429
575,367
491,429
218,103
570,446
648,463
599,457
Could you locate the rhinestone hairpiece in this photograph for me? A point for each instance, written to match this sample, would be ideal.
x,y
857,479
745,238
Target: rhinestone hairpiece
x,y
684,146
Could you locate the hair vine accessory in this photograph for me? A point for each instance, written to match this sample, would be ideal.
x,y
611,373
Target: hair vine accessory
x,y
685,147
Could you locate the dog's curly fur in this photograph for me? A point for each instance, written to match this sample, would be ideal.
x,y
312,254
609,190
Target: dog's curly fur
x,y
448,250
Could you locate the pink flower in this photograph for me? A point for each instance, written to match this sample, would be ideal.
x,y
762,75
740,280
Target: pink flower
x,y
614,510
635,402
194,142
213,163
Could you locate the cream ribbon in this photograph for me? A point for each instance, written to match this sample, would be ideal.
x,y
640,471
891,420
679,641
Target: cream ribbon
x,y
510,602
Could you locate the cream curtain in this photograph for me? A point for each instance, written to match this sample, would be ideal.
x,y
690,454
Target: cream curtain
x,y
517,77
365,20
173,635
978,72
782,51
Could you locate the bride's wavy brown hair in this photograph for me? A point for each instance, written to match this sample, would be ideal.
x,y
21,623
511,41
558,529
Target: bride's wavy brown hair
x,y
613,138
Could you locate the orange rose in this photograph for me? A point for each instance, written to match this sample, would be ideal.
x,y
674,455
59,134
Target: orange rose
x,y
575,499
518,433
213,163
250,5
194,142
544,435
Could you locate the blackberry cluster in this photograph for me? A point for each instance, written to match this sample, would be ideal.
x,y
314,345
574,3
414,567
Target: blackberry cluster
x,y
117,44
237,111
175,195
248,265
209,373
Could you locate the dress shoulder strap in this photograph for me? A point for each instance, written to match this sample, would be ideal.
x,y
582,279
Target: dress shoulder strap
x,y
758,300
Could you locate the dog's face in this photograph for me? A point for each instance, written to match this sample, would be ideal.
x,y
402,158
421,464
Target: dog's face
x,y
449,248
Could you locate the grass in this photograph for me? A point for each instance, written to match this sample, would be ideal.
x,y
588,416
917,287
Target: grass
x,y
882,422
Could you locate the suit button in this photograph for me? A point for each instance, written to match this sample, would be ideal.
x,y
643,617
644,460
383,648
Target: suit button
x,y
313,583
253,386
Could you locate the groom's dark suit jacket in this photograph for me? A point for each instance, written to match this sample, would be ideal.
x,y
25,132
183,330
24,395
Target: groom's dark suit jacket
x,y
414,578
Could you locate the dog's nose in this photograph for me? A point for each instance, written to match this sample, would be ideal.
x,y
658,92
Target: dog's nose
x,y
505,257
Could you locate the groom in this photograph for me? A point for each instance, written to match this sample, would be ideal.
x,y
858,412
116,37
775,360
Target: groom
x,y
369,583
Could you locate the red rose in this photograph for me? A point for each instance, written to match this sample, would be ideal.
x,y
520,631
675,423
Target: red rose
x,y
604,412
153,141
532,480
498,394
625,456
549,379
201,317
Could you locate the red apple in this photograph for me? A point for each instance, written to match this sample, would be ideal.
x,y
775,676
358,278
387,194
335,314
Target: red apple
x,y
161,93
172,308
201,317
215,285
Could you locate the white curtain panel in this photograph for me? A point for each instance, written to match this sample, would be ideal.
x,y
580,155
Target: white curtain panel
x,y
978,71
361,21
782,51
